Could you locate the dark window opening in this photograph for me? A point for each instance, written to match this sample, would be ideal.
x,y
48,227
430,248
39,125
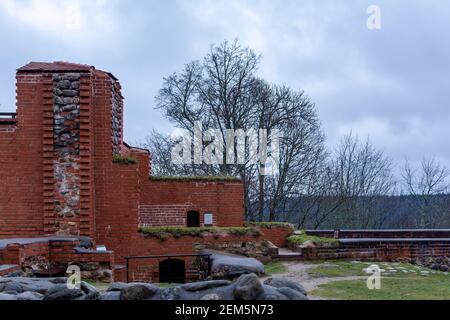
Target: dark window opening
x,y
193,219
172,271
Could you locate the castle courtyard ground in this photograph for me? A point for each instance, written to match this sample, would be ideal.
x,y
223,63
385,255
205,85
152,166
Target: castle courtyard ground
x,y
346,280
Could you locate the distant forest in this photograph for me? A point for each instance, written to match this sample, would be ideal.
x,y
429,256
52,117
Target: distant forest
x,y
378,212
352,185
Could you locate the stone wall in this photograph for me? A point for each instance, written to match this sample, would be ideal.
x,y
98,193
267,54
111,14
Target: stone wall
x,y
117,117
66,136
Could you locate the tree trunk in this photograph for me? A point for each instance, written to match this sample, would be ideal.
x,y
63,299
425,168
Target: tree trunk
x,y
261,195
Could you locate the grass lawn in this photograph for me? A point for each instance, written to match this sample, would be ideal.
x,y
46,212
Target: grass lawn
x,y
339,269
434,287
274,268
398,282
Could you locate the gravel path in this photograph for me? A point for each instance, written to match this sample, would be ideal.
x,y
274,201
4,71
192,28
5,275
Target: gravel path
x,y
298,271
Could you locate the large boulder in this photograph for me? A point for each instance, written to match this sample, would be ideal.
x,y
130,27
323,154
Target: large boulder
x,y
138,291
29,296
248,287
62,292
7,297
117,286
230,267
90,292
205,285
292,294
20,285
110,295
271,293
173,294
285,283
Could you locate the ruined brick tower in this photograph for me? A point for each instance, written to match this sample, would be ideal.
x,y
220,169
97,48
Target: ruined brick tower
x,y
61,107
59,175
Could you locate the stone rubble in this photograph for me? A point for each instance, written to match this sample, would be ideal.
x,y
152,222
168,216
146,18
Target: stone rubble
x,y
246,287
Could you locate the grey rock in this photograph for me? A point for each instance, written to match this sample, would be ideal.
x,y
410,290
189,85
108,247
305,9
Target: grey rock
x,y
68,100
69,107
292,294
89,266
64,84
271,293
26,284
444,268
13,288
117,286
435,266
211,296
29,296
75,85
285,283
171,294
138,291
72,76
62,292
204,285
90,291
233,266
58,101
70,93
59,120
111,295
16,274
61,280
9,297
248,287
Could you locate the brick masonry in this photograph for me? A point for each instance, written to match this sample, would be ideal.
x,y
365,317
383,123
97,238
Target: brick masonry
x,y
57,171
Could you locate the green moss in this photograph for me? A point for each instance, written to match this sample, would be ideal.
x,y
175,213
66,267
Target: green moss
x,y
195,178
124,159
302,237
166,285
163,232
269,225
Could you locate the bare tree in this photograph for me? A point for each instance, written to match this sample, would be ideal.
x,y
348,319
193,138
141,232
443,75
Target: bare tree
x,y
346,192
222,92
427,186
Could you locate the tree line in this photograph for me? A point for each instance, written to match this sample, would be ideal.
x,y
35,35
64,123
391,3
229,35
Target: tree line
x,y
354,185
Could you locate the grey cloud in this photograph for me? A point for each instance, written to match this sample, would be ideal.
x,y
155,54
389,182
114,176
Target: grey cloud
x,y
390,84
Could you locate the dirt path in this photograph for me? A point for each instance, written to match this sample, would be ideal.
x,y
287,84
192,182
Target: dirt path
x,y
298,272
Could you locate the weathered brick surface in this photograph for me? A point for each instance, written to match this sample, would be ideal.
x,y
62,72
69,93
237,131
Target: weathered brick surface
x,y
21,165
113,198
277,235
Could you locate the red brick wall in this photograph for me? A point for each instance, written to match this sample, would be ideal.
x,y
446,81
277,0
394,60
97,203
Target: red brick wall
x,y
223,199
277,235
111,195
21,164
163,215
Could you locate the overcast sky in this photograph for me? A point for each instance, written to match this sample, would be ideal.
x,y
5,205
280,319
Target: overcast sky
x,y
391,84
